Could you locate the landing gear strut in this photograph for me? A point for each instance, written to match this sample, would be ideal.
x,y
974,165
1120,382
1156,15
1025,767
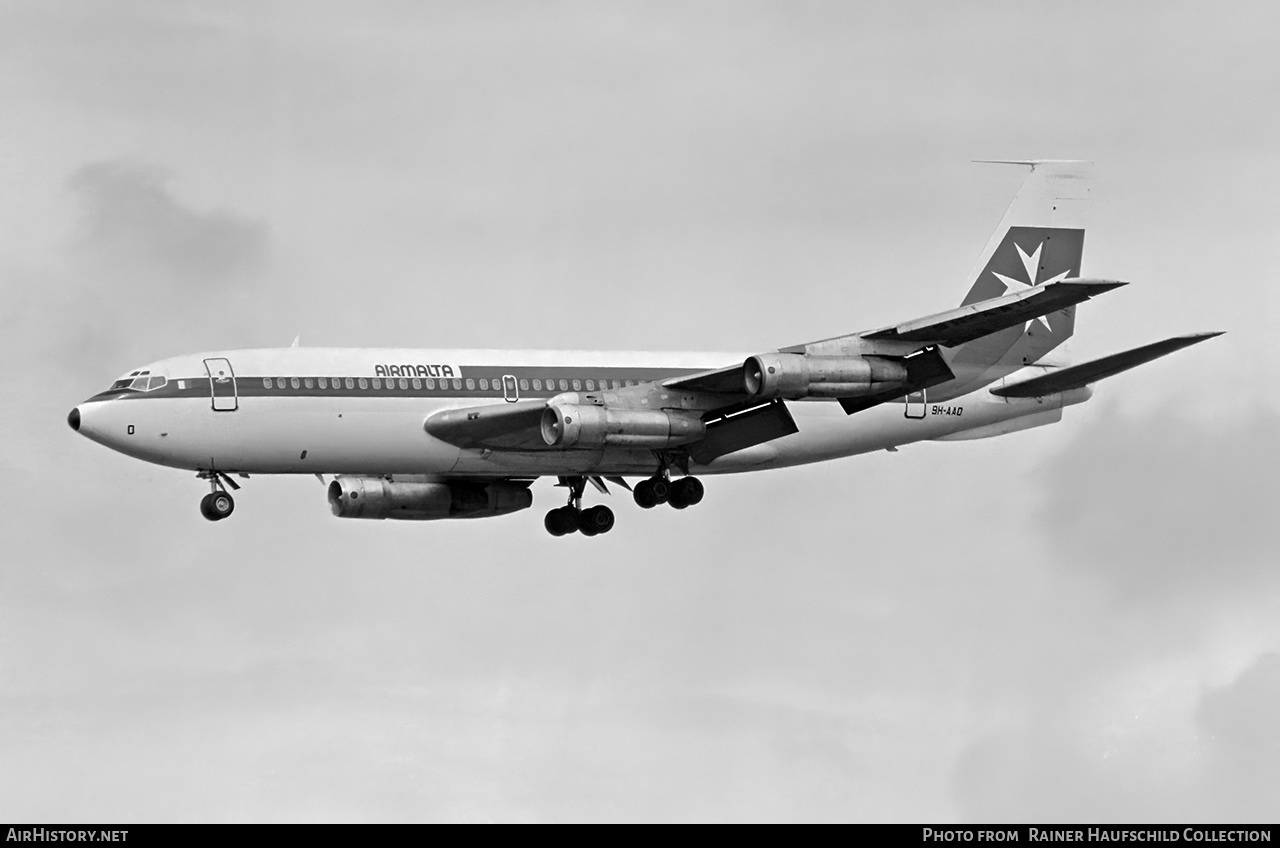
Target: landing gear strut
x,y
572,518
218,504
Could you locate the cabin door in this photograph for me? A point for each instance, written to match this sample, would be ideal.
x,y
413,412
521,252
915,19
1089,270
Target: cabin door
x,y
222,385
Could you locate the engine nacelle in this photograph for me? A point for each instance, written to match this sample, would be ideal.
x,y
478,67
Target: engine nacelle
x,y
376,497
574,425
795,375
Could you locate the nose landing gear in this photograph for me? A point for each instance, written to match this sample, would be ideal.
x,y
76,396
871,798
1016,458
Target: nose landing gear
x,y
218,504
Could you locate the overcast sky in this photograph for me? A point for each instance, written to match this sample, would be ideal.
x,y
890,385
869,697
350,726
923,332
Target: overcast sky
x,y
1080,622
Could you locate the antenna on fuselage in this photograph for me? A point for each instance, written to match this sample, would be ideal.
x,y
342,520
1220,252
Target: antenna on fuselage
x,y
297,341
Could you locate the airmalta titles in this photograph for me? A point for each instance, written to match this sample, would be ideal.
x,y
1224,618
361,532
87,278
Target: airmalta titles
x,y
416,371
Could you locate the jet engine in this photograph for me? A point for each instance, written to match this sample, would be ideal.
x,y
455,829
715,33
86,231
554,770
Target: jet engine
x,y
377,497
587,427
794,375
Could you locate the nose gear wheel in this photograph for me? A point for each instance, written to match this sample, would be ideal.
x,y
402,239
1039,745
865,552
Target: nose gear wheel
x,y
218,504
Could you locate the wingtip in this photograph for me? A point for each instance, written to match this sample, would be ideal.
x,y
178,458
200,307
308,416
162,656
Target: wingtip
x,y
1094,285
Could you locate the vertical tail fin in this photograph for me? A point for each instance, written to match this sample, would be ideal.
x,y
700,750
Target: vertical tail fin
x,y
1045,222
1040,239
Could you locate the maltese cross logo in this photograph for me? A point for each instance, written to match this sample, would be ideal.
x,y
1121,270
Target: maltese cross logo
x,y
1032,265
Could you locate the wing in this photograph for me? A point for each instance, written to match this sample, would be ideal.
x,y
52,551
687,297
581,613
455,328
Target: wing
x,y
967,323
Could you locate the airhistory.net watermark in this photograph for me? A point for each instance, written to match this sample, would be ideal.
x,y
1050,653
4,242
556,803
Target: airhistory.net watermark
x,y
40,834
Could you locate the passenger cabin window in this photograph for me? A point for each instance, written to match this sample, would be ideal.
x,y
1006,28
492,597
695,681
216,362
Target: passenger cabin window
x,y
351,384
537,385
564,385
431,384
324,383
417,384
364,384
306,381
484,385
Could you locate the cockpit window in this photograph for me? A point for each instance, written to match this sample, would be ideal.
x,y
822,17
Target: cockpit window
x,y
138,381
126,381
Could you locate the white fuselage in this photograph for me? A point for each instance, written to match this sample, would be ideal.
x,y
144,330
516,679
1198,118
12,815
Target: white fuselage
x,y
361,411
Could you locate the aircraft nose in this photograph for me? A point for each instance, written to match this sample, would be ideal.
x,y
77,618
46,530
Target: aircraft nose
x,y
74,419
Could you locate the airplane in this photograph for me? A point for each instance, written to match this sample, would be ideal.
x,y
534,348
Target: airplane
x,y
440,434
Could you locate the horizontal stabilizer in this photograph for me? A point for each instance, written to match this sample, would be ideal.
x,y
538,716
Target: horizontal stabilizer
x,y
966,323
1077,376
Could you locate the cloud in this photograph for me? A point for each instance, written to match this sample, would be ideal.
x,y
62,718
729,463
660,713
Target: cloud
x,y
131,219
1159,505
1162,554
1161,754
1239,726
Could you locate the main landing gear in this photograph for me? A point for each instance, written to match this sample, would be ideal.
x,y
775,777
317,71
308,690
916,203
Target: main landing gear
x,y
218,504
658,489
572,518
681,493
